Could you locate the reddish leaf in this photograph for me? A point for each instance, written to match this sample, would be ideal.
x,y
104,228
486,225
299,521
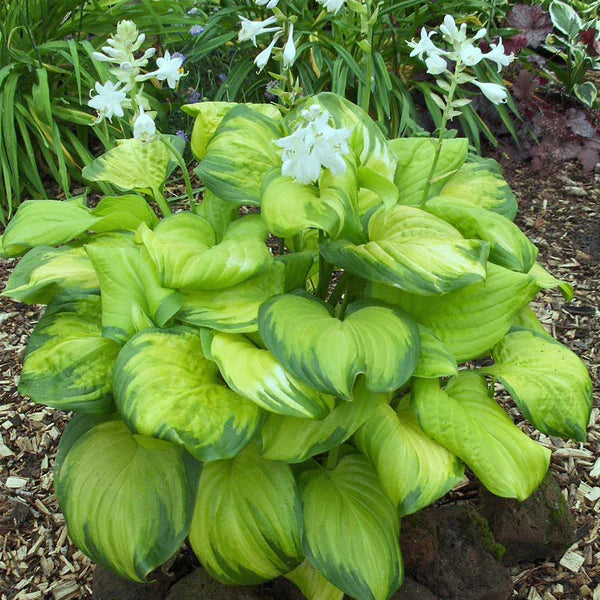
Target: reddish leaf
x,y
591,39
579,124
524,86
515,44
533,21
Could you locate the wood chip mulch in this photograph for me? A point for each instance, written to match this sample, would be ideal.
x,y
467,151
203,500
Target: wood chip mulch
x,y
560,212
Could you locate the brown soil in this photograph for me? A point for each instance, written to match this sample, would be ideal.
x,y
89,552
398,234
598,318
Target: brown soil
x,y
559,212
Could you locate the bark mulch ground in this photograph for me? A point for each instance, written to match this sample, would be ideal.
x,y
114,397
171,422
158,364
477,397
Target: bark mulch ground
x,y
560,212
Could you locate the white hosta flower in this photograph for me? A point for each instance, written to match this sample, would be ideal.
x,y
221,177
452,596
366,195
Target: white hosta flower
x,y
331,5
122,45
250,29
469,55
424,45
108,101
169,69
144,127
263,57
435,64
313,146
497,55
492,91
289,50
451,32
270,3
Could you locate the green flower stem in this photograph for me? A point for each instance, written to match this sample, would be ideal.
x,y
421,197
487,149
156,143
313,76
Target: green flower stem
x,y
165,209
338,291
346,297
333,457
442,133
366,27
325,270
183,167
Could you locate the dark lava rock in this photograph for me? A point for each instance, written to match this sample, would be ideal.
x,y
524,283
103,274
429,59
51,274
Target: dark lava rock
x,y
541,527
411,590
19,512
199,585
108,586
451,551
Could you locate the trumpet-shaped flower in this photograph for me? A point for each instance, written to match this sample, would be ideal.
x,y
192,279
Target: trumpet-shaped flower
x,y
250,29
270,3
435,64
144,127
492,91
262,58
424,45
469,55
108,101
289,50
331,5
497,55
169,69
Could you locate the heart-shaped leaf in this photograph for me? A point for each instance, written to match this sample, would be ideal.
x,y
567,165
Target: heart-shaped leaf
x,y
247,523
548,382
186,257
471,320
293,439
436,358
328,354
68,364
467,421
116,213
127,499
165,388
413,250
312,584
351,528
413,468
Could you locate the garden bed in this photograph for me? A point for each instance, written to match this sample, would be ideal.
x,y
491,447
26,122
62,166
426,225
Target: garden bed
x,y
559,211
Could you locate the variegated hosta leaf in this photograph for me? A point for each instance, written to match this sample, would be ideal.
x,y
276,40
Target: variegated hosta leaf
x,y
208,115
235,308
132,297
289,207
165,388
127,499
413,468
312,584
45,272
328,354
436,359
247,524
385,189
239,155
351,528
482,184
293,439
549,383
132,165
68,364
415,159
219,213
255,374
413,250
125,212
367,141
544,280
509,246
526,319
471,320
184,252
45,223
467,421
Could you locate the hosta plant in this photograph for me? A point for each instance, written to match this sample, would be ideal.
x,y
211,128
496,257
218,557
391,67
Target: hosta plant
x,y
282,405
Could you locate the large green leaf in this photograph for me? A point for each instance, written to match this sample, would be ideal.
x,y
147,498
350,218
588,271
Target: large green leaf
x,y
472,320
44,272
239,154
415,159
165,388
509,246
412,250
312,584
293,439
208,115
482,184
255,374
184,251
436,358
132,165
127,499
328,354
45,223
247,523
549,383
351,528
235,308
123,213
413,468
465,419
68,364
289,207
132,297
219,213
545,280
